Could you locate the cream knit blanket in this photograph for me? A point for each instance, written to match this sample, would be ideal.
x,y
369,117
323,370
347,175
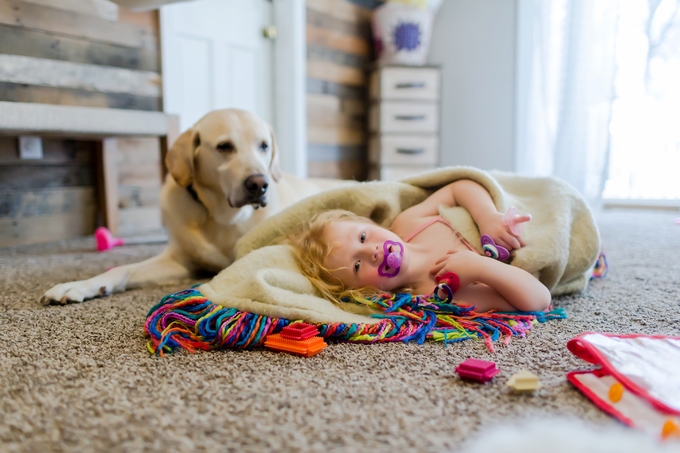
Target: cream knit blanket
x,y
562,241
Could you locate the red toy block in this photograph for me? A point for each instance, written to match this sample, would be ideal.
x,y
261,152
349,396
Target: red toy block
x,y
477,370
299,331
307,347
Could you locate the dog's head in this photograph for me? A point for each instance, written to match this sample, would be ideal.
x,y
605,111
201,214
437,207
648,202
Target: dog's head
x,y
229,157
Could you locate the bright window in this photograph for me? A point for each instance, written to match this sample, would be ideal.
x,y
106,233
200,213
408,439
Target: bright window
x,y
644,158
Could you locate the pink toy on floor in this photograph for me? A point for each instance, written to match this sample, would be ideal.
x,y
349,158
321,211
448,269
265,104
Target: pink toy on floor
x,y
298,338
106,241
477,370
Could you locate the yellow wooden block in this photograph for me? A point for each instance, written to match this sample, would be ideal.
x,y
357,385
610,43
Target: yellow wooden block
x,y
524,381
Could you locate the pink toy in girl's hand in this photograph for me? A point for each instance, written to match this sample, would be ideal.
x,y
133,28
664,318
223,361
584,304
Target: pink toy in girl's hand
x,y
493,250
514,220
105,240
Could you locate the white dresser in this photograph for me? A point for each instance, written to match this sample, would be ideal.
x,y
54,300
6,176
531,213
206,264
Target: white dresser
x,y
403,121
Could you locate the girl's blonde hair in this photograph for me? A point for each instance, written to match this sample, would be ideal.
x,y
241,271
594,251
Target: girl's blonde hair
x,y
312,249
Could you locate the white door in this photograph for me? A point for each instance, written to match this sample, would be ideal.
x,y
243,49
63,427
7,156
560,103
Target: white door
x,y
215,56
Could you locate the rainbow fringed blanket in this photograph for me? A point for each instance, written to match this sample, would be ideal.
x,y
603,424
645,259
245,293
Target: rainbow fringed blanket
x,y
190,321
264,290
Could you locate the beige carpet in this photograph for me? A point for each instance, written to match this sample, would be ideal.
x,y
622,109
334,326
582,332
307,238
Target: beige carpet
x,y
79,377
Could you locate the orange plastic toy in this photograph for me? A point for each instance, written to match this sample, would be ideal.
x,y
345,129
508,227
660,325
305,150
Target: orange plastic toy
x,y
615,392
298,338
670,429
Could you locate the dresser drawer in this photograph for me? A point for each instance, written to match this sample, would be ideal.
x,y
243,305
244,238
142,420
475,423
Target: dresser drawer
x,y
405,117
405,84
404,150
396,173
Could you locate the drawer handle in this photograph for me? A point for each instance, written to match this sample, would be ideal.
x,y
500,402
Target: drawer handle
x,y
409,117
410,150
403,85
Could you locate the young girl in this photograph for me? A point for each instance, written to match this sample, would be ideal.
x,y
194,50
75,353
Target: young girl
x,y
347,255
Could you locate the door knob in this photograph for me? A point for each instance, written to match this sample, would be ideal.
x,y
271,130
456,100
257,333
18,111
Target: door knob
x,y
269,32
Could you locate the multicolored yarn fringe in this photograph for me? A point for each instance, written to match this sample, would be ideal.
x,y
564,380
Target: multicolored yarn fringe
x,y
188,320
601,266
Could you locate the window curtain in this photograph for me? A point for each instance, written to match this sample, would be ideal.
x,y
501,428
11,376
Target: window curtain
x,y
566,72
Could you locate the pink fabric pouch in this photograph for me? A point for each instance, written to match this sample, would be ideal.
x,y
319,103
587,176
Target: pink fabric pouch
x,y
638,379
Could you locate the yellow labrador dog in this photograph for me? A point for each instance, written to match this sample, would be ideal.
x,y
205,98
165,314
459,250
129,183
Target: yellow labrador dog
x,y
224,179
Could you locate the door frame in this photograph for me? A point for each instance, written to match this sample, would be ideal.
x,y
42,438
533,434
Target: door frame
x,y
289,112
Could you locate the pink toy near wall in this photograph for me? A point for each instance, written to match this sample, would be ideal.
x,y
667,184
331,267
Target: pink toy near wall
x,y
106,241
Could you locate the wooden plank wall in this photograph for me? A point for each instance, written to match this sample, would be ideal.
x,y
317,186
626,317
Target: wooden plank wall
x,y
339,54
50,199
85,53
139,186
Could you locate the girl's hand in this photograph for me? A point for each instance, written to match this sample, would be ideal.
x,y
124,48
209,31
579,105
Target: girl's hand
x,y
464,263
493,226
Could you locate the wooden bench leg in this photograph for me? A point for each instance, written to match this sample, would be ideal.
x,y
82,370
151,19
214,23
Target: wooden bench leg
x,y
107,183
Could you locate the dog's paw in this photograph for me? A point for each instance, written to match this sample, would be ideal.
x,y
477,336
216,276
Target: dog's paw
x,y
70,292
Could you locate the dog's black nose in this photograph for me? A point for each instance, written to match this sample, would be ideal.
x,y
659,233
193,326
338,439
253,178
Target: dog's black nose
x,y
256,185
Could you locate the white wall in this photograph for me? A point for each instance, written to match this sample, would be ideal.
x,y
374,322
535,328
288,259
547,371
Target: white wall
x,y
474,43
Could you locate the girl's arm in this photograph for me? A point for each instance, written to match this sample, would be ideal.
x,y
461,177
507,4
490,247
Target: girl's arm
x,y
477,201
489,284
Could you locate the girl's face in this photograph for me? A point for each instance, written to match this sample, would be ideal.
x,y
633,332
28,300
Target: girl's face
x,y
357,253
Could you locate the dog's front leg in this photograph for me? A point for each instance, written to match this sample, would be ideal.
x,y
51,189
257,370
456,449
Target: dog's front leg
x,y
158,270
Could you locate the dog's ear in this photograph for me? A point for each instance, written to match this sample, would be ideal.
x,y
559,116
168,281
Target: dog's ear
x,y
274,167
180,158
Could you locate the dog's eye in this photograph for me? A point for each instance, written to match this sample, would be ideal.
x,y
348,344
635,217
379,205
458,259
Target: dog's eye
x,y
264,146
226,147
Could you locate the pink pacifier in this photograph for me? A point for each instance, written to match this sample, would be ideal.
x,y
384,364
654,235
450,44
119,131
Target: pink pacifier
x,y
493,250
513,220
391,260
